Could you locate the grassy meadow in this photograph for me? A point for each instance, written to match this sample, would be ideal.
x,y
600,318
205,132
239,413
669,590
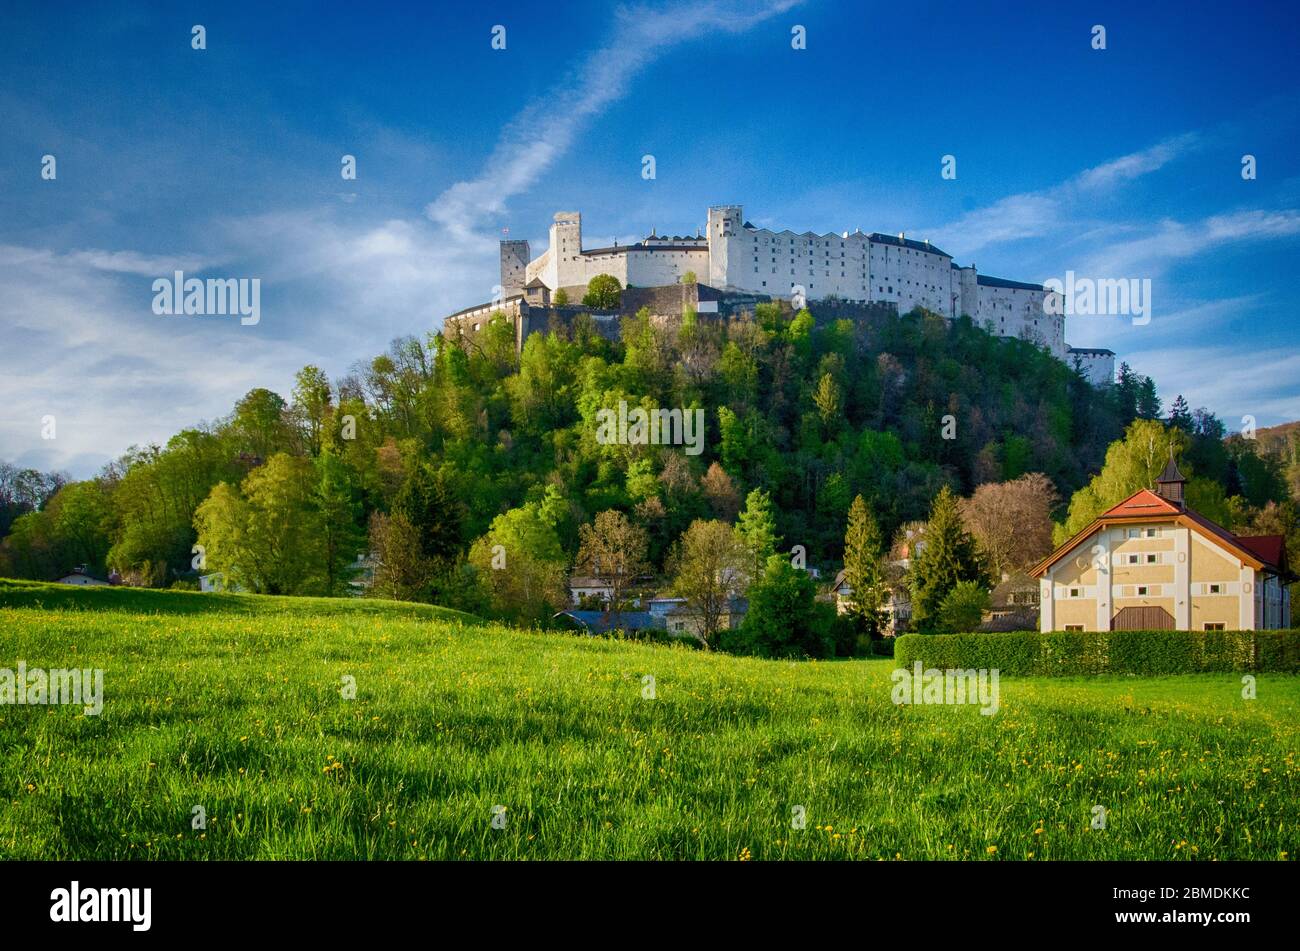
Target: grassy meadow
x,y
234,703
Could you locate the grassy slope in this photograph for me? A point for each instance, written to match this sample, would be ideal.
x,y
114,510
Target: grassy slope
x,y
241,713
39,594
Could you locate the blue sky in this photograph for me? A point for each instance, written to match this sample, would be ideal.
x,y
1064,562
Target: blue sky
x,y
1123,162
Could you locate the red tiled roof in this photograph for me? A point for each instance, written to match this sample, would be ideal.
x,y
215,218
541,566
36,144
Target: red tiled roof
x,y
1268,548
1142,503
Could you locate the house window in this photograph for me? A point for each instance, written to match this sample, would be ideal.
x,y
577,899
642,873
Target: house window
x,y
1153,559
1143,590
1214,625
1075,592
1132,559
1074,627
1215,589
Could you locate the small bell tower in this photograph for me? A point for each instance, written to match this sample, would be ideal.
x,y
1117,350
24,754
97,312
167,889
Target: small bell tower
x,y
1170,482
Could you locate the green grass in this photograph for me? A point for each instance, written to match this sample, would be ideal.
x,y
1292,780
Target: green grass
x,y
40,594
239,710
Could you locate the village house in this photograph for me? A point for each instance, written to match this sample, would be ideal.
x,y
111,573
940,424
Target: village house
x,y
896,611
1013,603
1152,563
674,616
685,619
81,576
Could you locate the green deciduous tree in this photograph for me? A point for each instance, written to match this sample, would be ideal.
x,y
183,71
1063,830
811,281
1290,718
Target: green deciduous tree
x,y
520,563
707,567
962,608
267,538
1132,463
783,619
612,549
603,293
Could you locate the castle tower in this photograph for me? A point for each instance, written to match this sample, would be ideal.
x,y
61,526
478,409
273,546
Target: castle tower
x,y
514,263
724,227
566,248
966,293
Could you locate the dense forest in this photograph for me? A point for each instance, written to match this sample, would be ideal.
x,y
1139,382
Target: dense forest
x,y
449,460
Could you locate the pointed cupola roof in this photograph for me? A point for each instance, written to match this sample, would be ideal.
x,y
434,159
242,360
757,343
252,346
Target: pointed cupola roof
x,y
1170,482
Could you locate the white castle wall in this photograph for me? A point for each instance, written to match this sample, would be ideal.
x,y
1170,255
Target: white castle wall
x,y
1098,365
912,278
665,266
852,266
1018,312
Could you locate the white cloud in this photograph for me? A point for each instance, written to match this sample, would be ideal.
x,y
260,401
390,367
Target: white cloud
x,y
1172,241
1231,381
1050,211
546,129
144,265
1129,167
85,347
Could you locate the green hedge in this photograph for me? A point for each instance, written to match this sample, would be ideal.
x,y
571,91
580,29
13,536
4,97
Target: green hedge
x,y
1070,653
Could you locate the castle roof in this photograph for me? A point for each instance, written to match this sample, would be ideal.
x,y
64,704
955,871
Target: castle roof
x,y
642,246
1096,351
1003,282
878,238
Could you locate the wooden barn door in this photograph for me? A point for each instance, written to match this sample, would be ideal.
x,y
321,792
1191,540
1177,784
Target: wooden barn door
x,y
1142,619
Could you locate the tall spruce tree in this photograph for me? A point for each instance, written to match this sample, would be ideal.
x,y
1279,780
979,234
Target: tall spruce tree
x,y
756,531
864,566
947,557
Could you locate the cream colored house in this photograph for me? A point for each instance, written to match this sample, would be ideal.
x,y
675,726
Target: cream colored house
x,y
1151,563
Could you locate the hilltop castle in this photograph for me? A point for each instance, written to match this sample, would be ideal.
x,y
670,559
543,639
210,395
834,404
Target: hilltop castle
x,y
739,264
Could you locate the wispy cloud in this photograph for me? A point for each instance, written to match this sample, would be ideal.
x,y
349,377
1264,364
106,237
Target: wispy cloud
x,y
144,265
545,130
333,282
82,345
1245,381
1172,241
1041,213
